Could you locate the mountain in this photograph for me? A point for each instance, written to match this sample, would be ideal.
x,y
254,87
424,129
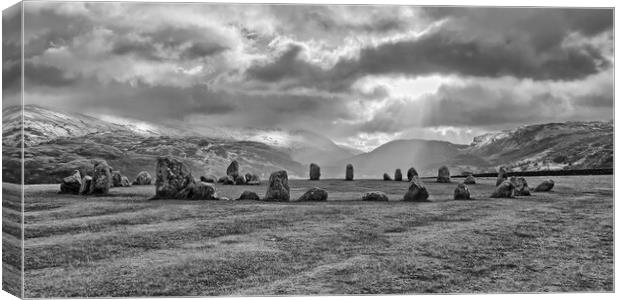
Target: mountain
x,y
552,146
58,143
401,154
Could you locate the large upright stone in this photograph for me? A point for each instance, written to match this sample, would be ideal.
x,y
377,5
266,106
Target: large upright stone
x,y
411,173
240,180
545,186
398,175
116,178
387,177
143,178
171,177
102,178
71,184
461,192
505,190
233,169
521,187
278,189
315,172
502,175
443,175
417,191
349,172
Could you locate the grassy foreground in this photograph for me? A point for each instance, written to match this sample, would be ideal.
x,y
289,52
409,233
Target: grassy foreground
x,y
124,245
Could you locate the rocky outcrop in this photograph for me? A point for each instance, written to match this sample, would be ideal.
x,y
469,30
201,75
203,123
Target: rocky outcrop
x,y
443,175
461,192
417,191
314,194
278,189
171,178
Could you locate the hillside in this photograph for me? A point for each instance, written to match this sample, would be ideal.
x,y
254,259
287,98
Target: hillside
x,y
552,146
58,143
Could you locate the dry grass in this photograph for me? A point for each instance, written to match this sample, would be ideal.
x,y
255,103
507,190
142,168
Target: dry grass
x,y
124,245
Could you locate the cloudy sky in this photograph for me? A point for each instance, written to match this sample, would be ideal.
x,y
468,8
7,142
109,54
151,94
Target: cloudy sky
x,y
361,75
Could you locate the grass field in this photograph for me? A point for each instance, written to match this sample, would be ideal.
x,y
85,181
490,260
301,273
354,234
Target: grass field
x,y
124,245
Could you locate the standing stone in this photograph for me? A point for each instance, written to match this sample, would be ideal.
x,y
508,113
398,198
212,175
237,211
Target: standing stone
x,y
71,184
502,175
240,180
314,194
461,192
398,175
521,187
417,191
315,172
248,177
375,196
85,188
125,181
470,179
171,177
443,175
411,173
278,189
349,172
116,178
248,195
143,178
505,190
254,179
233,169
545,186
198,191
386,177
102,178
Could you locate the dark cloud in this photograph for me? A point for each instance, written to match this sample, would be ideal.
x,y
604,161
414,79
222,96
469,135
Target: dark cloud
x,y
11,54
46,75
475,105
